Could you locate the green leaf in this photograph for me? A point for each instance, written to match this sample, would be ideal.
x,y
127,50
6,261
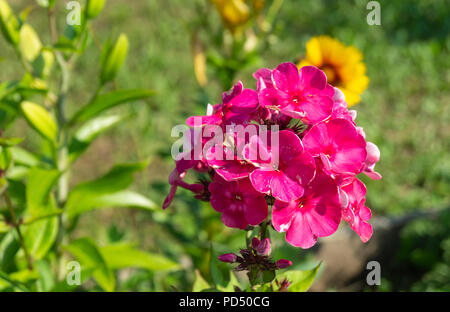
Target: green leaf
x,y
106,101
200,284
40,119
88,254
117,199
9,246
23,157
46,279
94,7
11,282
124,255
40,236
114,59
5,158
9,24
39,185
300,281
30,45
107,190
8,142
4,227
89,131
231,284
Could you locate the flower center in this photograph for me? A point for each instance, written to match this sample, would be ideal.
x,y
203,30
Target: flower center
x,y
297,98
331,73
237,196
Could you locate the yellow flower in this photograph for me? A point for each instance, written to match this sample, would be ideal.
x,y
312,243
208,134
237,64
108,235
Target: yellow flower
x,y
342,64
236,13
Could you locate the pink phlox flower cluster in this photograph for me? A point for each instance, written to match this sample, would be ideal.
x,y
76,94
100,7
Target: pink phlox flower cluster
x,y
304,157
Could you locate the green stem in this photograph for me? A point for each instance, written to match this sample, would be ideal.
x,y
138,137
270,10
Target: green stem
x,y
17,227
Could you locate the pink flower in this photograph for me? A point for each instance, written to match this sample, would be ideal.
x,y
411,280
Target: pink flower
x,y
283,263
286,179
356,213
230,170
239,203
305,95
340,147
229,258
340,109
316,214
262,248
239,106
176,180
373,156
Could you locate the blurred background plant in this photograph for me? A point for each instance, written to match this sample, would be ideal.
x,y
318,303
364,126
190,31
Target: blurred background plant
x,y
405,111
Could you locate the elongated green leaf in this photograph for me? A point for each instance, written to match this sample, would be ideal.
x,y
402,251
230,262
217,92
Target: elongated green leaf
x,y
30,44
300,281
9,24
88,254
106,101
124,255
3,226
118,199
9,246
94,7
5,281
46,279
40,119
40,236
23,157
40,183
92,194
114,59
8,142
89,131
200,284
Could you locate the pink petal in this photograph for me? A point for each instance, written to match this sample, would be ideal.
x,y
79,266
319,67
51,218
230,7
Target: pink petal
x,y
284,188
312,78
300,234
286,77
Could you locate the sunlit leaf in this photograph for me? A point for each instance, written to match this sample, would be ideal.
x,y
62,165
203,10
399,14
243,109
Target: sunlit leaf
x,y
6,280
89,131
9,24
40,119
30,44
106,101
24,157
8,142
107,190
123,255
39,184
94,7
300,281
200,284
46,279
114,59
40,236
88,254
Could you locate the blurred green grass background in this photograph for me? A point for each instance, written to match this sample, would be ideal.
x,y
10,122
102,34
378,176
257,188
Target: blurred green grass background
x,y
405,111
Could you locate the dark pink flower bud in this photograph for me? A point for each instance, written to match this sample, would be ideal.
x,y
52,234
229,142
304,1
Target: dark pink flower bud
x,y
263,248
283,263
228,257
255,242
